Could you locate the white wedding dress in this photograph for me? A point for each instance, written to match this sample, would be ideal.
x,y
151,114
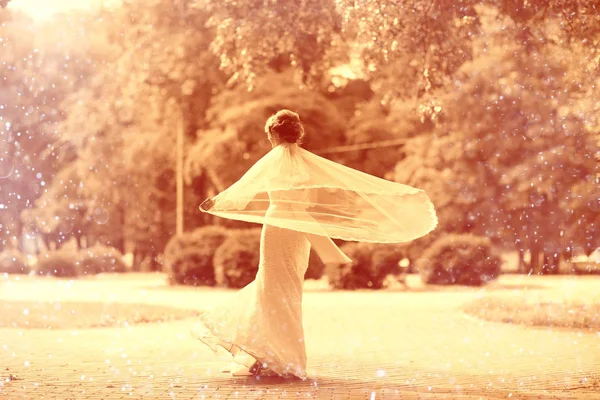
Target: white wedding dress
x,y
302,200
263,321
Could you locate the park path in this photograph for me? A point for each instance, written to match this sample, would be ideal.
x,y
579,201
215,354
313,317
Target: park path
x,y
360,345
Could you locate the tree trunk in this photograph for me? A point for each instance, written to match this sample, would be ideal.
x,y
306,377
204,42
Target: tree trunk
x,y
534,263
58,243
120,241
556,263
19,227
522,267
180,132
37,242
154,265
78,240
137,261
550,266
90,241
45,240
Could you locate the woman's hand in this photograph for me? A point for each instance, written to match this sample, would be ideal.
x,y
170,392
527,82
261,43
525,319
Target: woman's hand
x,y
207,204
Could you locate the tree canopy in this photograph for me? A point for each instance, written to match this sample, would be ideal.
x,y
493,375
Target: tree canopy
x,y
492,106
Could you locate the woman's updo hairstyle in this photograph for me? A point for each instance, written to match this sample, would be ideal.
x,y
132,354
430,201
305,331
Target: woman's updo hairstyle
x,y
285,127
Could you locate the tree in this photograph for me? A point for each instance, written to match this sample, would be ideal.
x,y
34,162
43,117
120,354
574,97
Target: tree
x,y
426,41
64,211
254,36
374,123
500,162
235,138
577,19
124,122
38,71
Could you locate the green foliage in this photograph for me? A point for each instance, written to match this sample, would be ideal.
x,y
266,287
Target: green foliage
x,y
61,263
412,49
501,161
459,260
498,102
252,37
210,235
41,63
376,121
579,19
193,266
153,85
236,138
585,267
71,263
62,211
13,262
371,264
101,259
189,257
414,250
236,260
348,95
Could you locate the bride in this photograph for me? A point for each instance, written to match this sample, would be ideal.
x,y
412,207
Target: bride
x,y
302,201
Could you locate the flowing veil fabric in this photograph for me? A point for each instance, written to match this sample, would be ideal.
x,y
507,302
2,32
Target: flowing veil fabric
x,y
324,198
302,200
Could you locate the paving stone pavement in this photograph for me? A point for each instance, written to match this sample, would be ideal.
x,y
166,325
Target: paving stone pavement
x,y
360,345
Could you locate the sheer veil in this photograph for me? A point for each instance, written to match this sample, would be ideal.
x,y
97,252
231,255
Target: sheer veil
x,y
293,188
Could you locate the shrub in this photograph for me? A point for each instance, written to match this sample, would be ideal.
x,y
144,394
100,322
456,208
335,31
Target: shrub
x,y
194,239
236,260
316,268
13,262
60,263
193,266
461,260
189,257
101,259
386,258
413,250
372,263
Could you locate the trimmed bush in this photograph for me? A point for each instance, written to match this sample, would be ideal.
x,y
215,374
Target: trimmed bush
x,y
13,262
194,239
413,250
193,266
189,257
386,258
101,259
459,260
236,260
316,268
372,263
61,263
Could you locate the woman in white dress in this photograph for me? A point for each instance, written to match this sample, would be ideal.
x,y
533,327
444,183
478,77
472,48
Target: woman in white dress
x,y
302,200
262,325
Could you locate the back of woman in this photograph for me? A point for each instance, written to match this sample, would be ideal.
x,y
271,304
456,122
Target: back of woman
x,y
302,200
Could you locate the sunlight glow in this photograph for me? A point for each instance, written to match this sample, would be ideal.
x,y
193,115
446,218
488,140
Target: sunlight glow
x,y
42,9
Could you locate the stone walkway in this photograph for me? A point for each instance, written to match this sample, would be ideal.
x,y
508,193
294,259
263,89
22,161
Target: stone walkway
x,y
360,345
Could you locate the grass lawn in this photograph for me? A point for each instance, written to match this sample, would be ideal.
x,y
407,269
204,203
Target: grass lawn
x,y
532,310
81,315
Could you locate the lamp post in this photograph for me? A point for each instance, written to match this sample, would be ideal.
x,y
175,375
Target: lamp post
x,y
179,126
179,168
